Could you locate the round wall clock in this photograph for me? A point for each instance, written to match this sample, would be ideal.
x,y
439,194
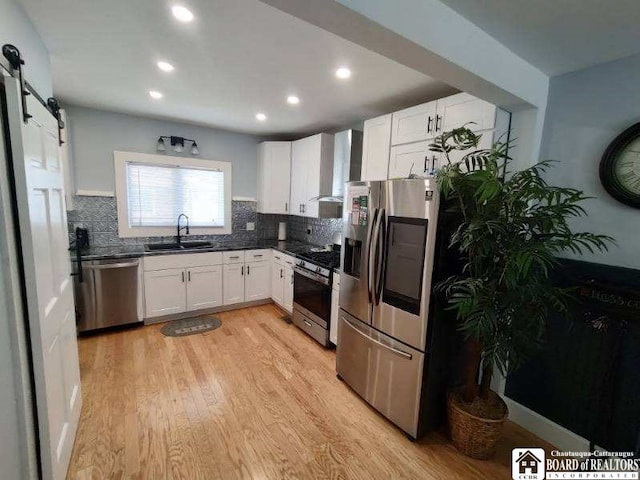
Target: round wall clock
x,y
620,167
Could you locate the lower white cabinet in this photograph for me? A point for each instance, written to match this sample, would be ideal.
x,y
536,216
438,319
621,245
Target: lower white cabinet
x,y
288,288
282,280
165,292
233,283
257,283
204,287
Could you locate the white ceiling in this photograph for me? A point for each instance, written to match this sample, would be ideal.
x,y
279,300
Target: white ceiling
x,y
559,36
237,58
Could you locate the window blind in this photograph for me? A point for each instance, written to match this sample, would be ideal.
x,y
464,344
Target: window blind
x,y
158,194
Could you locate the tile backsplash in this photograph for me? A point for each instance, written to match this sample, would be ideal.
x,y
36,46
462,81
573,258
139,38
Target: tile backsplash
x,y
99,216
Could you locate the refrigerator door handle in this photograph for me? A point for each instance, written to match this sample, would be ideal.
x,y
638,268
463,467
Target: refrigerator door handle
x,y
377,342
381,247
370,260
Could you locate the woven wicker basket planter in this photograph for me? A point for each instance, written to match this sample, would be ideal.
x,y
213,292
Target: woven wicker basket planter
x,y
474,436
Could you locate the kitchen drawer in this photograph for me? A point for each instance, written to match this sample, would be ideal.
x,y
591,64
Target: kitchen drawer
x,y
310,327
257,255
181,260
235,256
277,257
283,258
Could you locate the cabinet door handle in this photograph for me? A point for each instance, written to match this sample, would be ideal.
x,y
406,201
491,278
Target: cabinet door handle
x,y
304,207
291,279
429,123
286,207
189,276
182,277
236,256
242,270
438,119
426,159
280,273
300,208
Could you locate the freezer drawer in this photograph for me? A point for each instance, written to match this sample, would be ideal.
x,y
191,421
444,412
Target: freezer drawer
x,y
385,372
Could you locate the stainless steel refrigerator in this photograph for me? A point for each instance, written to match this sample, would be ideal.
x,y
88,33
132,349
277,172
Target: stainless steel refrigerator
x,y
388,255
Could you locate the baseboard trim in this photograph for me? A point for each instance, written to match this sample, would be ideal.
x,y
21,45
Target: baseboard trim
x,y
555,434
206,311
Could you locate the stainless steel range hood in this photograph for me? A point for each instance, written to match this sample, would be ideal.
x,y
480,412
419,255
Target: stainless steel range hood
x,y
347,162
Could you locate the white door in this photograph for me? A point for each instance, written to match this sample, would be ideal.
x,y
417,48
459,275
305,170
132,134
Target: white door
x,y
204,287
165,292
414,124
277,282
413,158
257,281
288,288
375,148
50,304
233,283
298,176
464,109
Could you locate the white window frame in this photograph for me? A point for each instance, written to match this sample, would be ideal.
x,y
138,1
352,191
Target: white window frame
x,y
126,231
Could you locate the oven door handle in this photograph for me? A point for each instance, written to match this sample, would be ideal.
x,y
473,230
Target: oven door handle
x,y
312,276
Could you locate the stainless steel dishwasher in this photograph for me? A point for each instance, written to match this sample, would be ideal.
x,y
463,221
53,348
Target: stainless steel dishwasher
x,y
106,293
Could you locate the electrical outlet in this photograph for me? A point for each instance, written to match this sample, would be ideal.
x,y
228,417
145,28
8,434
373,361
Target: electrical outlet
x,y
251,226
309,231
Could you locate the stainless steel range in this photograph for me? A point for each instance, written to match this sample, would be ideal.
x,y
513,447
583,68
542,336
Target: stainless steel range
x,y
312,293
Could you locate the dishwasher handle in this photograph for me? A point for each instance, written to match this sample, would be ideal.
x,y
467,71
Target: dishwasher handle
x,y
106,266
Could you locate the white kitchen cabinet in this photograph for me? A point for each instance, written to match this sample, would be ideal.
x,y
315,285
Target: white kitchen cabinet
x,y
412,158
257,281
335,309
204,287
463,109
165,292
288,287
414,124
274,177
376,142
277,281
233,283
312,176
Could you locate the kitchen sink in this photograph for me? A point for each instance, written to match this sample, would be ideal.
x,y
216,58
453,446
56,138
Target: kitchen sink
x,y
152,247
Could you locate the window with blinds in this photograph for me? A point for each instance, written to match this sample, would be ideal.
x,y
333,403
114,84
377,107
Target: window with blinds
x,y
158,194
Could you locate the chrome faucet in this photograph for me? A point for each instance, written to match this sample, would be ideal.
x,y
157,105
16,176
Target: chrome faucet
x,y
185,228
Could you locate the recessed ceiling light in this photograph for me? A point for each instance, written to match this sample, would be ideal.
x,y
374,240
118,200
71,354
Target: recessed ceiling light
x,y
165,66
343,72
182,13
155,94
293,100
261,117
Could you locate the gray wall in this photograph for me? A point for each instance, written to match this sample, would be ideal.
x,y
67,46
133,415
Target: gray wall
x,y
586,111
16,28
95,134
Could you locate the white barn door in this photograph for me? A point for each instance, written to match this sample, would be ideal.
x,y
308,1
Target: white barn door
x,y
49,287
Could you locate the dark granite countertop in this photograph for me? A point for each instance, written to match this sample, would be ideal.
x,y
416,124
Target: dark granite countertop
x,y
291,247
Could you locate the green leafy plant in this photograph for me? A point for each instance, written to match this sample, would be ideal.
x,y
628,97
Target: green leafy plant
x,y
512,227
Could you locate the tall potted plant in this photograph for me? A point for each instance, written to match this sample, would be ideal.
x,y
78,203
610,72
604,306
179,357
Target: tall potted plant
x,y
512,226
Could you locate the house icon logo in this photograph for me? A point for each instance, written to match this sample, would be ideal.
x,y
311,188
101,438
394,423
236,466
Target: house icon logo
x,y
527,464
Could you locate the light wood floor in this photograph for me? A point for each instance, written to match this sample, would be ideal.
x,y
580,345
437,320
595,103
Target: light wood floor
x,y
254,399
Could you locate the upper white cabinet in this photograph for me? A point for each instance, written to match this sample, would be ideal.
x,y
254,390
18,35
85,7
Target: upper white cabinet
x,y
411,159
414,124
274,177
375,148
464,109
312,176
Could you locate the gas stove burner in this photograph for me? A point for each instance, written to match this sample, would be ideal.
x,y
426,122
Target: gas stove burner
x,y
326,259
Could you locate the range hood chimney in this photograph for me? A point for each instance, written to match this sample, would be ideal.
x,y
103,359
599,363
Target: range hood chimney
x,y
347,162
